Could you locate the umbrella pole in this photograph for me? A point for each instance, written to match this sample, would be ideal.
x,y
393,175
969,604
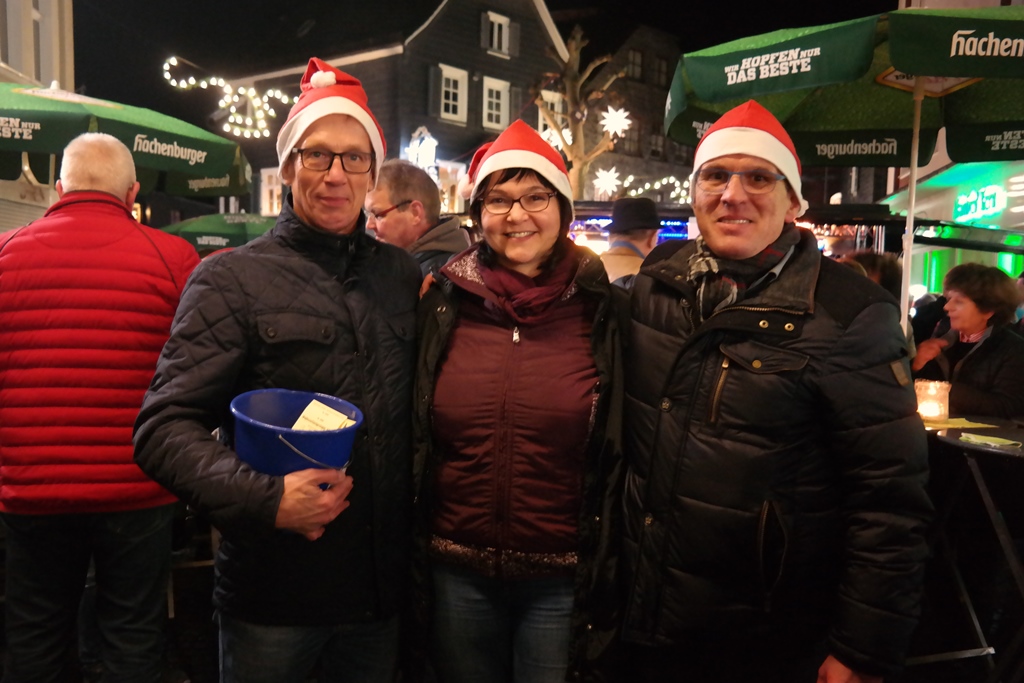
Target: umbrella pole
x,y
908,233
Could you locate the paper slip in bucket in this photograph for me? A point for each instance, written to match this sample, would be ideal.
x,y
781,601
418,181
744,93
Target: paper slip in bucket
x,y
264,437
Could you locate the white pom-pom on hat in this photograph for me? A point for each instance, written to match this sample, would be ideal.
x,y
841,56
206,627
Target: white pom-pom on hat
x,y
465,187
323,79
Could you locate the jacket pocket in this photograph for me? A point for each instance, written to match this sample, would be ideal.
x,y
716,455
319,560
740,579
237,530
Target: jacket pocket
x,y
772,545
288,326
755,385
403,325
763,359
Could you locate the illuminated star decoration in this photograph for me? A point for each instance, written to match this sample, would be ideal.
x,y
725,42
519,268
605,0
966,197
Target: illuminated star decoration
x,y
552,137
606,182
250,124
615,121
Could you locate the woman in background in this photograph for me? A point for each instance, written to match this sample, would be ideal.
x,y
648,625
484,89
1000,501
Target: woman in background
x,y
980,356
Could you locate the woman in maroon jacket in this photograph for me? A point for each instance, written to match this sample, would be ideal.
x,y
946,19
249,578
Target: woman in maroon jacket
x,y
517,466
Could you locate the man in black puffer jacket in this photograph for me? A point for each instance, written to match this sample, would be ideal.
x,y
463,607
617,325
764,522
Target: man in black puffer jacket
x,y
774,501
312,566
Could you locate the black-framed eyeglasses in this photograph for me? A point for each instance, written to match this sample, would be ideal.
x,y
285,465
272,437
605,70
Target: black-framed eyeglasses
x,y
316,159
715,180
376,216
532,202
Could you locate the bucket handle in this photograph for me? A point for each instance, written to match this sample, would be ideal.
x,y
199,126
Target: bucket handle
x,y
299,453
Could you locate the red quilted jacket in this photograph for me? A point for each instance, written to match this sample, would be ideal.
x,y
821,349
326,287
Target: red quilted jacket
x,y
87,296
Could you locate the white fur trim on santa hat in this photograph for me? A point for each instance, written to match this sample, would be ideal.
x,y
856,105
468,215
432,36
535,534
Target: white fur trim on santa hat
x,y
521,158
293,130
752,142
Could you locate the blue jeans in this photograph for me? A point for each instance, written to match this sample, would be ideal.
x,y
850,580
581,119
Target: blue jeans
x,y
500,630
47,562
346,653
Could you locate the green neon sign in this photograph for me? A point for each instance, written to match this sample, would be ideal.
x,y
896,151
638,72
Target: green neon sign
x,y
980,203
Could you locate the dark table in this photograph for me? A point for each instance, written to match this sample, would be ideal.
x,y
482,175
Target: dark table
x,y
1006,666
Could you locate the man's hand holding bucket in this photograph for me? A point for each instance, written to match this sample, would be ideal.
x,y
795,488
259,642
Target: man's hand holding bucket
x,y
312,499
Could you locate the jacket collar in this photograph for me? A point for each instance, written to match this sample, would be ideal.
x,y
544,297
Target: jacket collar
x,y
463,271
94,197
792,290
447,235
306,238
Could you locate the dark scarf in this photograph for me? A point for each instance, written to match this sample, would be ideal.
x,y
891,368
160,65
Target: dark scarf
x,y
721,282
525,299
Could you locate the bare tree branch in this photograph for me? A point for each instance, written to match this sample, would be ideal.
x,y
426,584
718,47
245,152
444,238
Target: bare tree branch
x,y
605,144
593,66
549,117
550,52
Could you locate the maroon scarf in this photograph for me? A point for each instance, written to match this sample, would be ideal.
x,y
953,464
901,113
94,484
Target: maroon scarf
x,y
524,298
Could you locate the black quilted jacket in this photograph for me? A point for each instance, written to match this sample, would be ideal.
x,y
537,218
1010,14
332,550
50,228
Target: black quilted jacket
x,y
299,309
776,463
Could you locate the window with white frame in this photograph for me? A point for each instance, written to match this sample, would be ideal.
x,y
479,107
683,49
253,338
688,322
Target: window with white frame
x,y
496,103
660,67
5,41
37,40
555,101
271,192
657,146
630,141
499,33
635,65
454,93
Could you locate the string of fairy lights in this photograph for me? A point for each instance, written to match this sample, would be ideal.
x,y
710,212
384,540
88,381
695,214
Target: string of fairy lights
x,y
248,110
606,182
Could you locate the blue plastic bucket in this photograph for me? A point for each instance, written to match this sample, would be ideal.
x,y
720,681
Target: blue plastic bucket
x,y
265,440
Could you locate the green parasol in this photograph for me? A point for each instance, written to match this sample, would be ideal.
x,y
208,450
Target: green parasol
x,y
45,120
221,230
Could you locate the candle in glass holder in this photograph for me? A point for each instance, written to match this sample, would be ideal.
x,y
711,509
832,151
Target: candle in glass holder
x,y
932,399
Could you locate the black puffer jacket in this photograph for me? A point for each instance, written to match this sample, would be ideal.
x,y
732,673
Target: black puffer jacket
x,y
595,618
302,309
776,462
989,380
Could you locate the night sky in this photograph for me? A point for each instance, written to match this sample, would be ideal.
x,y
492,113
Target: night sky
x,y
121,45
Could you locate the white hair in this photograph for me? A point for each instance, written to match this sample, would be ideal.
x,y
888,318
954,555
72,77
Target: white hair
x,y
97,161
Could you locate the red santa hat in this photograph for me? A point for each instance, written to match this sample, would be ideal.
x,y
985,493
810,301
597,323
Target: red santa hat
x,y
325,91
519,146
753,130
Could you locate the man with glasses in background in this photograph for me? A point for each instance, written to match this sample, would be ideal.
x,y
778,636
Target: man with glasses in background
x,y
404,209
775,509
312,568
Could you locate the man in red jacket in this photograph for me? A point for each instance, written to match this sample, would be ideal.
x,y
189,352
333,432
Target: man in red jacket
x,y
87,296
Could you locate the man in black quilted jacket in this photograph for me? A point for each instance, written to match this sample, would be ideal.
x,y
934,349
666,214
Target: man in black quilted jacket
x,y
775,504
312,566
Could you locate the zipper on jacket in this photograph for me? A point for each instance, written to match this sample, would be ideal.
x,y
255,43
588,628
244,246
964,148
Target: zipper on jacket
x,y
716,397
503,458
768,584
753,309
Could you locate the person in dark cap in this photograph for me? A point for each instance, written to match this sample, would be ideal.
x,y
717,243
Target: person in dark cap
x,y
312,569
632,234
775,505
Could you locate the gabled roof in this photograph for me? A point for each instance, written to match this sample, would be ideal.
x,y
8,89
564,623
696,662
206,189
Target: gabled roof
x,y
388,27
296,30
